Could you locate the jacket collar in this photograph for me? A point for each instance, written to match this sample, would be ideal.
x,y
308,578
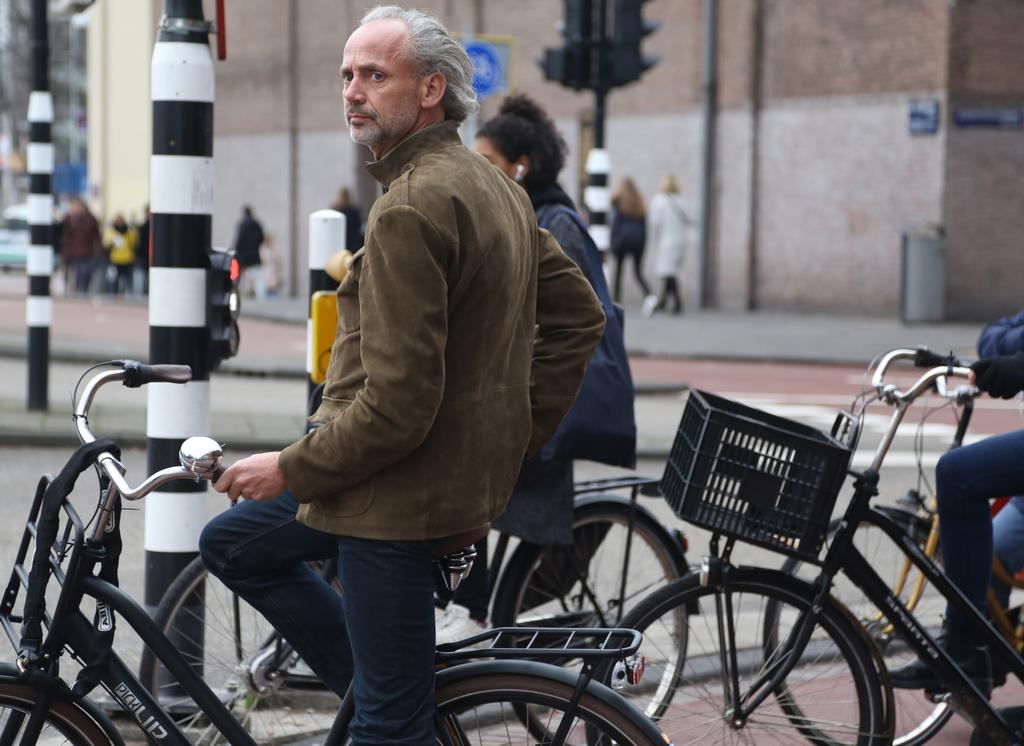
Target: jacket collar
x,y
403,156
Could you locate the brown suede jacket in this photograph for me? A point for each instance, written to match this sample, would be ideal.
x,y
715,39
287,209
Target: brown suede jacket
x,y
463,334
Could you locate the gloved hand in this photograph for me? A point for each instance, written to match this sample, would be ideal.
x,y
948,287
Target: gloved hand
x,y
1001,376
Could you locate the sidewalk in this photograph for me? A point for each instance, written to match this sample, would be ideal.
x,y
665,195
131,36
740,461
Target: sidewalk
x,y
260,407
273,336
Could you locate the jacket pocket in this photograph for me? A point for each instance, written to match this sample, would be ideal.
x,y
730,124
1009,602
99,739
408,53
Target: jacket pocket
x,y
348,295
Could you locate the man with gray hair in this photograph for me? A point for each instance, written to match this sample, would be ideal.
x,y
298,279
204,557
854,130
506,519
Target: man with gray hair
x,y
463,335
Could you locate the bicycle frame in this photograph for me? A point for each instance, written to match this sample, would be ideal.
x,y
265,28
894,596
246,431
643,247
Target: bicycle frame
x,y
843,555
69,628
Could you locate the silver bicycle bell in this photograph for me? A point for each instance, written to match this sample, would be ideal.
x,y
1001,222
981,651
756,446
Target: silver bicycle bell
x,y
201,456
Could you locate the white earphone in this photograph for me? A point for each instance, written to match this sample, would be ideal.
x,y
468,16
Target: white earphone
x,y
520,173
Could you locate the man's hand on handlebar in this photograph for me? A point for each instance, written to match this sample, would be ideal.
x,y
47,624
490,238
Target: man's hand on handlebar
x,y
1001,376
257,477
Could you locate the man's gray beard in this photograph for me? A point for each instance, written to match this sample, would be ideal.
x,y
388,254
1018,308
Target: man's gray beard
x,y
364,135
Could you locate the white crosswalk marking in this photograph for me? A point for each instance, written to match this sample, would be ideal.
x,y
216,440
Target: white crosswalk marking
x,y
819,411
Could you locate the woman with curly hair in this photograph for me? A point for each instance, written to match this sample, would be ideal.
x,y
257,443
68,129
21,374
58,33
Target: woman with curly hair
x,y
523,142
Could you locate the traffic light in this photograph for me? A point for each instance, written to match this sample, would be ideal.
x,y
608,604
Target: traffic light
x,y
222,306
628,62
570,64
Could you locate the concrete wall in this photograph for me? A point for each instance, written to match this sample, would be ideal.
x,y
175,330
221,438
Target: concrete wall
x,y
839,179
816,173
119,111
983,199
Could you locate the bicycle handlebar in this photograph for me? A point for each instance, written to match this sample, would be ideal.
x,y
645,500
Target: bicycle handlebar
x,y
940,368
134,374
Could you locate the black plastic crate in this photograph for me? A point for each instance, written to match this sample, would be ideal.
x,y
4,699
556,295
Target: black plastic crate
x,y
751,475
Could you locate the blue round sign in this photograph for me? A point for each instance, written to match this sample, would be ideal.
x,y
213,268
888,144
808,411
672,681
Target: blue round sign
x,y
487,77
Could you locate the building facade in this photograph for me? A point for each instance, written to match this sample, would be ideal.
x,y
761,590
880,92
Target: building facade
x,y
816,169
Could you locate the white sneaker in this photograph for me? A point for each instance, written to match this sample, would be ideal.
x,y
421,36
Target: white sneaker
x,y
650,303
440,613
457,625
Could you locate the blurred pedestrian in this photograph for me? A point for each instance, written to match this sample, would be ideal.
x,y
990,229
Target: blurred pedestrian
x,y
119,241
248,240
523,142
80,245
629,237
270,264
353,220
140,274
667,224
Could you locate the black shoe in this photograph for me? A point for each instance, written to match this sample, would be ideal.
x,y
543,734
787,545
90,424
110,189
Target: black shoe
x,y
971,656
1014,717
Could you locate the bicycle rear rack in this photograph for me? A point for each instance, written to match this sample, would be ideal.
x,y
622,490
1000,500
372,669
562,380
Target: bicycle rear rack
x,y
643,485
72,535
540,643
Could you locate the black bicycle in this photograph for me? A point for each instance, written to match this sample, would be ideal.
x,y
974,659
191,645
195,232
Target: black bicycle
x,y
620,553
507,697
744,654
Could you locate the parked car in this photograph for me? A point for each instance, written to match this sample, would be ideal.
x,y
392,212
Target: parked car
x,y
14,238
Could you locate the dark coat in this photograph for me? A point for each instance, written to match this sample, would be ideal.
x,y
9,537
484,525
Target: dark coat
x,y
628,234
463,335
80,238
248,240
1003,336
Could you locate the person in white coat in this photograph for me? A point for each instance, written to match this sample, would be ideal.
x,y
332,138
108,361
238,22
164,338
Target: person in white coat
x,y
667,223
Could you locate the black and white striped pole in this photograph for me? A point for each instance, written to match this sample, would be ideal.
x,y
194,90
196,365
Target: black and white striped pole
x,y
181,200
39,262
597,196
326,238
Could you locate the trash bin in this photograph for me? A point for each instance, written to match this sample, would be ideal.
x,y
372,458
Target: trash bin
x,y
923,288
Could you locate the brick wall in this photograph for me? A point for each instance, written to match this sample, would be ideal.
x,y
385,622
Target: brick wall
x,y
838,175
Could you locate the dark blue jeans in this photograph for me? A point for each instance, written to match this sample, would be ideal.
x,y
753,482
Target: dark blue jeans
x,y
966,480
379,634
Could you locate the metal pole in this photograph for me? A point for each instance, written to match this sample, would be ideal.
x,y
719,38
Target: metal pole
x,y
709,86
753,224
596,196
326,238
293,149
181,199
39,262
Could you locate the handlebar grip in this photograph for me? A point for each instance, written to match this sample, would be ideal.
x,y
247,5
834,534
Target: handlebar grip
x,y
137,374
221,468
925,358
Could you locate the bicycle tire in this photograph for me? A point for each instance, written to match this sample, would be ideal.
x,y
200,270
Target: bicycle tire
x,y
293,704
917,718
65,722
506,702
541,586
837,676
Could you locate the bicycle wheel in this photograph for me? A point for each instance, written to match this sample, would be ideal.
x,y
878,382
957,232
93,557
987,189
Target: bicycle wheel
x,y
65,723
917,717
581,585
252,669
833,695
524,703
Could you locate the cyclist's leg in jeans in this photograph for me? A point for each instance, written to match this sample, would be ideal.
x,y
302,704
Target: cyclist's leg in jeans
x,y
966,479
1008,543
260,551
389,610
